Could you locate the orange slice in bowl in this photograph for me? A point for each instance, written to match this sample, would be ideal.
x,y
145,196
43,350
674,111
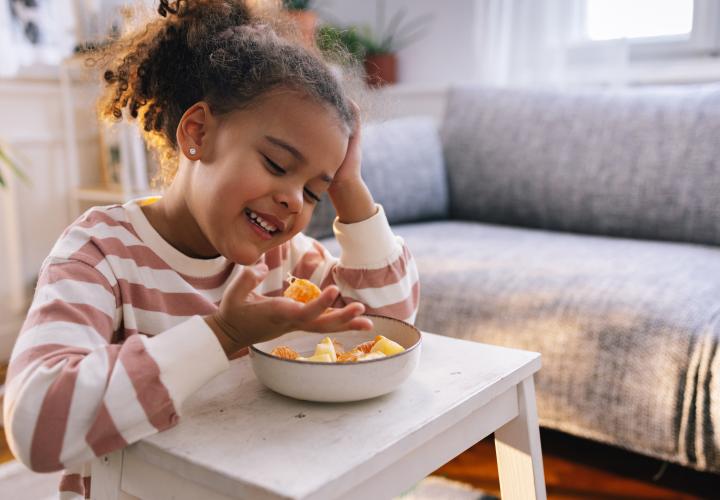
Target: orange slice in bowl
x,y
365,347
283,351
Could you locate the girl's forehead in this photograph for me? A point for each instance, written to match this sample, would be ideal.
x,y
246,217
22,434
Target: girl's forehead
x,y
295,107
313,129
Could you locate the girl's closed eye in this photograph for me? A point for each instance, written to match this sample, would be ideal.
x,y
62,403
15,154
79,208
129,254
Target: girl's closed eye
x,y
276,169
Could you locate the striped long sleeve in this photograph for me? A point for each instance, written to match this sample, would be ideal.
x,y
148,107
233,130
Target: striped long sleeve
x,y
375,267
73,394
101,360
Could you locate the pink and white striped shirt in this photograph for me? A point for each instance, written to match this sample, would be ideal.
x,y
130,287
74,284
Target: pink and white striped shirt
x,y
114,340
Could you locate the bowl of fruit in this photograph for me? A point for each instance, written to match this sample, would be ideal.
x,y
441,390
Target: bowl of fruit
x,y
347,366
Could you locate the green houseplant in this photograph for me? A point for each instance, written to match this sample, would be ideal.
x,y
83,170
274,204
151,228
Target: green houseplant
x,y
376,48
343,43
382,45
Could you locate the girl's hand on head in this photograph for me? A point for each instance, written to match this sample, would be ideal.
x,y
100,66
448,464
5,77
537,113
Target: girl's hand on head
x,y
350,196
349,171
245,317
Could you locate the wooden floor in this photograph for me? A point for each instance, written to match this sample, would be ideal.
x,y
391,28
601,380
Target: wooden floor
x,y
580,469
574,469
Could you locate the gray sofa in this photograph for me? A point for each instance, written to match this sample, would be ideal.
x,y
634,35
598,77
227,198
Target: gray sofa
x,y
583,225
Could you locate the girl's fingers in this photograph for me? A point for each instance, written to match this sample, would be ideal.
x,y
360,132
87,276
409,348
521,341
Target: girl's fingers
x,y
316,307
361,324
346,313
241,288
346,318
313,316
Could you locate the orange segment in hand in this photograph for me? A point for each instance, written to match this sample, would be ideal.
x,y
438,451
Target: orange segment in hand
x,y
301,290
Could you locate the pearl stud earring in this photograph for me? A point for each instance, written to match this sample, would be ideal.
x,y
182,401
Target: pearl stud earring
x,y
193,151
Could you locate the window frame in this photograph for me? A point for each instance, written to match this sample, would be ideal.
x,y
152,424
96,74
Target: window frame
x,y
704,39
624,62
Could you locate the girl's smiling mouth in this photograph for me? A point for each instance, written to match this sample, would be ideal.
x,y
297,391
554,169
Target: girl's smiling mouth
x,y
262,227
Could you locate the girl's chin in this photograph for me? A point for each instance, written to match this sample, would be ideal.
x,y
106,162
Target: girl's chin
x,y
248,256
245,259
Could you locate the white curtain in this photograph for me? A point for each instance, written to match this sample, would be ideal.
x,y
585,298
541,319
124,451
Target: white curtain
x,y
527,43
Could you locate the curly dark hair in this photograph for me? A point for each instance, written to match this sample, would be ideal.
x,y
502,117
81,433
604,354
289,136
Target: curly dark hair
x,y
218,51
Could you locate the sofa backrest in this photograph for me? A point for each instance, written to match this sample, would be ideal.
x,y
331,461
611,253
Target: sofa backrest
x,y
402,165
640,163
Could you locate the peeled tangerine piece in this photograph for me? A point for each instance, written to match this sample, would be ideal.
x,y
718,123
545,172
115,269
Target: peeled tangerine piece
x,y
386,346
326,346
283,351
365,347
301,289
348,357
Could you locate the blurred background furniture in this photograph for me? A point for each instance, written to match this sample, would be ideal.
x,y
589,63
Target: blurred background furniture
x,y
580,224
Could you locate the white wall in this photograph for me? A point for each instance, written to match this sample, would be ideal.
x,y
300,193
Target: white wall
x,y
445,54
33,216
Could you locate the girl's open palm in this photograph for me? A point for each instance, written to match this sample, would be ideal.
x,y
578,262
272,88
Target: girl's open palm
x,y
251,317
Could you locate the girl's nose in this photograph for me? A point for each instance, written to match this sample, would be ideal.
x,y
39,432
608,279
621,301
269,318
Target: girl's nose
x,y
292,200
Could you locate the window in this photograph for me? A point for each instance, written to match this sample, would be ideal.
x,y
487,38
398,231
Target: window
x,y
653,29
612,19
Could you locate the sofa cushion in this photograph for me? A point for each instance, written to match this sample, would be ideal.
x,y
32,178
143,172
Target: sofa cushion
x,y
403,168
628,330
639,163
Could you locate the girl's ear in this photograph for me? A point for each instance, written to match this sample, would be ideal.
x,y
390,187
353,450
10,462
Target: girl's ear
x,y
195,130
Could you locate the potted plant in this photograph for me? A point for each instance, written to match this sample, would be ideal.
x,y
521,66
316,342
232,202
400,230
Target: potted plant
x,y
381,46
344,44
304,18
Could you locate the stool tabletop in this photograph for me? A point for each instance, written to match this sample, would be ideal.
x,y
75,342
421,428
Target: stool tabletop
x,y
238,437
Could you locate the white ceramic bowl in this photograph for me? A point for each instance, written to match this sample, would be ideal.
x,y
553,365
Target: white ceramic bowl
x,y
338,382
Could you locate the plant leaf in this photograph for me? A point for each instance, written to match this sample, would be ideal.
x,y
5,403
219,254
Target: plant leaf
x,y
395,21
412,31
6,160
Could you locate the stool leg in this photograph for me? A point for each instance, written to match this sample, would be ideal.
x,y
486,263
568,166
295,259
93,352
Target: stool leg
x,y
106,476
517,446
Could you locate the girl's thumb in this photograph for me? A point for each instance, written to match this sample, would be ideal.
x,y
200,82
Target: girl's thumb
x,y
248,279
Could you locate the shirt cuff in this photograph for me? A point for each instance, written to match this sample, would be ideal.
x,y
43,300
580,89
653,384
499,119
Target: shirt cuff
x,y
367,244
189,355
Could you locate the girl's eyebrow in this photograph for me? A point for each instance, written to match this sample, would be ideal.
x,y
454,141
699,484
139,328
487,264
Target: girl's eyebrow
x,y
287,147
297,154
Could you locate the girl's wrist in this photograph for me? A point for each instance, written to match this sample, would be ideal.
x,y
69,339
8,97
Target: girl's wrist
x,y
229,338
353,201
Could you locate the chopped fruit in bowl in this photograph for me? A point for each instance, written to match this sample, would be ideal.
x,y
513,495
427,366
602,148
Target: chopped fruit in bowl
x,y
331,351
313,366
386,346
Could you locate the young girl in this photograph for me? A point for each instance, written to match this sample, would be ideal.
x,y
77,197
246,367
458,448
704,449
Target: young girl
x,y
138,305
